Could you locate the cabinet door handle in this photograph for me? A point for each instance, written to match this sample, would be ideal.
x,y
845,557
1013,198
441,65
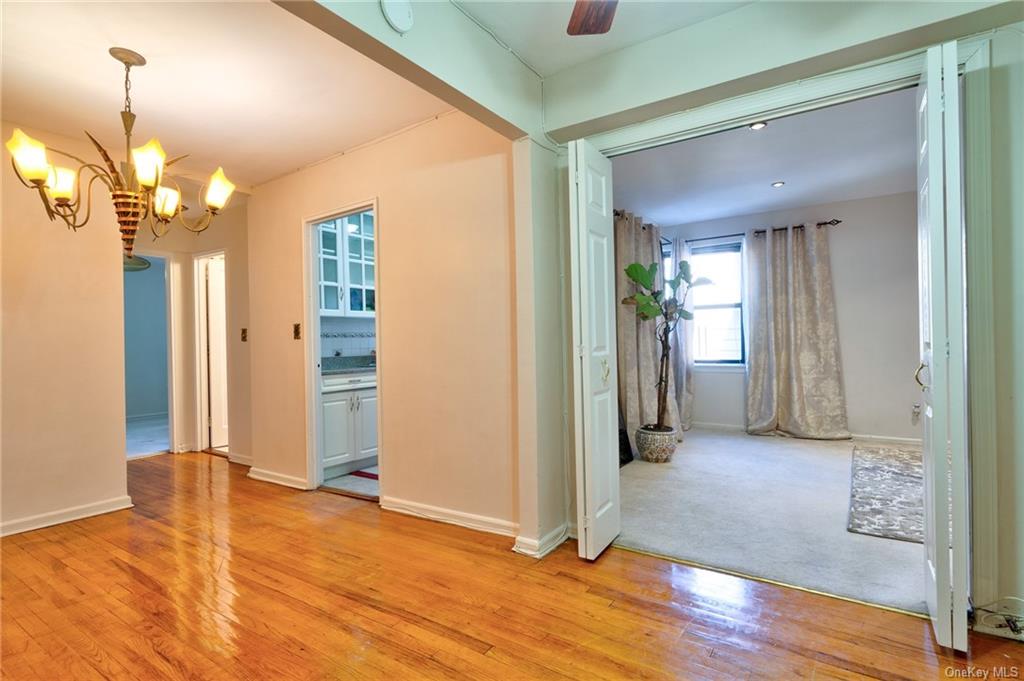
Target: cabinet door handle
x,y
351,404
359,403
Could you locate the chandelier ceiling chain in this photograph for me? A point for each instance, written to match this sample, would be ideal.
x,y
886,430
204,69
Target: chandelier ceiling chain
x,y
139,191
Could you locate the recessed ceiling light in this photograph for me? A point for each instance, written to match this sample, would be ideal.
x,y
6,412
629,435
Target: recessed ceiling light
x,y
778,184
760,125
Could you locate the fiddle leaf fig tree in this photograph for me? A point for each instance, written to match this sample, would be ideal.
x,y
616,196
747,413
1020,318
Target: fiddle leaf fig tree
x,y
667,307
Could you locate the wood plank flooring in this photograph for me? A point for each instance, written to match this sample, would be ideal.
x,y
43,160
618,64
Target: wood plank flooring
x,y
216,576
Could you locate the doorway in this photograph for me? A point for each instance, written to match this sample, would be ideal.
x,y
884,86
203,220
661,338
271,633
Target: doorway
x,y
146,333
344,313
939,218
211,317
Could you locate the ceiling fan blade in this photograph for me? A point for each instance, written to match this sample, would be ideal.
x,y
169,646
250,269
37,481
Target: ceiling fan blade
x,y
591,17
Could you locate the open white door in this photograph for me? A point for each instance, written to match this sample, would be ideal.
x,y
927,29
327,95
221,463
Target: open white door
x,y
942,372
217,349
595,391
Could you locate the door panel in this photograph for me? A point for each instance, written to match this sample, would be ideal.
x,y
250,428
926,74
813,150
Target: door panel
x,y
366,416
217,345
594,366
942,368
338,437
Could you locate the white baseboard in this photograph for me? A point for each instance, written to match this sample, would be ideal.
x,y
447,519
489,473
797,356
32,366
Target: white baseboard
x,y
243,459
278,478
139,417
447,515
539,548
883,439
717,426
64,515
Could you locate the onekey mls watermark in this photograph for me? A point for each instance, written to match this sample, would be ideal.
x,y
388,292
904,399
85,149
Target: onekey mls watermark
x,y
994,672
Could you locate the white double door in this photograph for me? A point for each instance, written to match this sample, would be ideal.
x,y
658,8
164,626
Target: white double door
x,y
942,374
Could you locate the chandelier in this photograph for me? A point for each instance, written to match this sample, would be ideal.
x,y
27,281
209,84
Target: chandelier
x,y
139,189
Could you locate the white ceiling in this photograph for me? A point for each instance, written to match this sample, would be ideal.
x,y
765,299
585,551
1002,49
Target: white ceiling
x,y
245,85
536,30
855,150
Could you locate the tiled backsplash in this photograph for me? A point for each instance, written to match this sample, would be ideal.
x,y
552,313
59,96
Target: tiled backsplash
x,y
349,335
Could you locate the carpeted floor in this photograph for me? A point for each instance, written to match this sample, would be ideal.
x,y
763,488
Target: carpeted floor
x,y
148,435
768,507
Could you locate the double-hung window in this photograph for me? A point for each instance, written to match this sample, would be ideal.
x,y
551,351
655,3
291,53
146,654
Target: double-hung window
x,y
718,332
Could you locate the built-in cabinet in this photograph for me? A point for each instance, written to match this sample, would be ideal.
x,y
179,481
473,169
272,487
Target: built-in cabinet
x,y
349,426
348,260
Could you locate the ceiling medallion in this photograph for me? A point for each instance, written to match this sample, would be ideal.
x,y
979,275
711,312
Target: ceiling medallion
x,y
138,189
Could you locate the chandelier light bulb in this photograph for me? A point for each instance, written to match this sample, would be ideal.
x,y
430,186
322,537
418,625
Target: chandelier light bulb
x,y
29,157
219,190
149,163
165,202
61,184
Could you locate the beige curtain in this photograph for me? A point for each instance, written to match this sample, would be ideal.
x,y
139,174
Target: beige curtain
x,y
637,345
794,383
682,349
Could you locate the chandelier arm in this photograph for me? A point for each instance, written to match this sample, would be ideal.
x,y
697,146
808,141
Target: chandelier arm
x,y
46,202
69,212
20,178
198,225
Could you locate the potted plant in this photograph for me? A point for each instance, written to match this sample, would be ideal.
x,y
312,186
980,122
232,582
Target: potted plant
x,y
656,442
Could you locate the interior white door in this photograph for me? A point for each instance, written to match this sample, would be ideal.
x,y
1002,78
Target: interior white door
x,y
217,349
942,372
595,392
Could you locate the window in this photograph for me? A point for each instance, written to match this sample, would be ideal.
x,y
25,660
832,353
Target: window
x,y
718,307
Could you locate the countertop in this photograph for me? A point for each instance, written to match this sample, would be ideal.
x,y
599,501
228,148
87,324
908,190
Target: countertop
x,y
340,366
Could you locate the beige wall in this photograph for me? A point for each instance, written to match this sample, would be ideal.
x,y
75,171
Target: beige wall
x,y
62,426
228,233
446,333
874,273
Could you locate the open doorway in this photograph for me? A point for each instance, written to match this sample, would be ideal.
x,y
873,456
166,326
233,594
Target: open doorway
x,y
211,318
147,413
800,458
343,346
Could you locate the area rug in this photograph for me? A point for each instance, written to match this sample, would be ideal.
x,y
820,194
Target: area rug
x,y
887,493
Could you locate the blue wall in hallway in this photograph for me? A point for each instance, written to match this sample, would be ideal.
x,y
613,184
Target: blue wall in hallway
x,y
145,340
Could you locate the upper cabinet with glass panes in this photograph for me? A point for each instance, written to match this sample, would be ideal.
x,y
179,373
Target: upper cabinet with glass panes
x,y
347,266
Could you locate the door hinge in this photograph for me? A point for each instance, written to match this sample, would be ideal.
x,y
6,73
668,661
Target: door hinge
x,y
576,177
580,351
586,522
947,349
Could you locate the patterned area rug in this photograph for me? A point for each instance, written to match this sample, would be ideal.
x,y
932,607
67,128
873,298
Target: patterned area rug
x,y
887,493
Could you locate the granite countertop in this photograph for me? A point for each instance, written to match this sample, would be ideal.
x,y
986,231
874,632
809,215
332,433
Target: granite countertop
x,y
357,364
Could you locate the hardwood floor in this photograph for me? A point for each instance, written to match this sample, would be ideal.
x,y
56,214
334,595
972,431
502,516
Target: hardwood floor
x,y
216,576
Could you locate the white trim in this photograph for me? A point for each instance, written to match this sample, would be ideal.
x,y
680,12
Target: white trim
x,y
719,368
887,439
446,515
731,427
241,459
539,548
264,475
64,515
312,341
981,367
139,417
857,82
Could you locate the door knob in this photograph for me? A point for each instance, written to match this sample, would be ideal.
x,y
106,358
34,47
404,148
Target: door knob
x,y
917,375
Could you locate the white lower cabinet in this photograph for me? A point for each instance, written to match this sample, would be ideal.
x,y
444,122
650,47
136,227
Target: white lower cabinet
x,y
349,426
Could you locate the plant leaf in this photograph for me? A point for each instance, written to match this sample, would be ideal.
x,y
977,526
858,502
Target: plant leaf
x,y
684,271
641,275
702,281
686,314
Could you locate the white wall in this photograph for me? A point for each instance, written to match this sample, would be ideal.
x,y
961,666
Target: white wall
x,y
229,234
145,340
62,425
446,328
874,272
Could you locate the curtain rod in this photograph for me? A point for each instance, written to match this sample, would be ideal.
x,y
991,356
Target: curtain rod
x,y
828,223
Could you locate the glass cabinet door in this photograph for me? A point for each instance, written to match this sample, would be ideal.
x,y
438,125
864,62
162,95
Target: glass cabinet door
x,y
331,285
359,263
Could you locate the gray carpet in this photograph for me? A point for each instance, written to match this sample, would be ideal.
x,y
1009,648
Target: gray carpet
x,y
147,435
887,493
768,507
